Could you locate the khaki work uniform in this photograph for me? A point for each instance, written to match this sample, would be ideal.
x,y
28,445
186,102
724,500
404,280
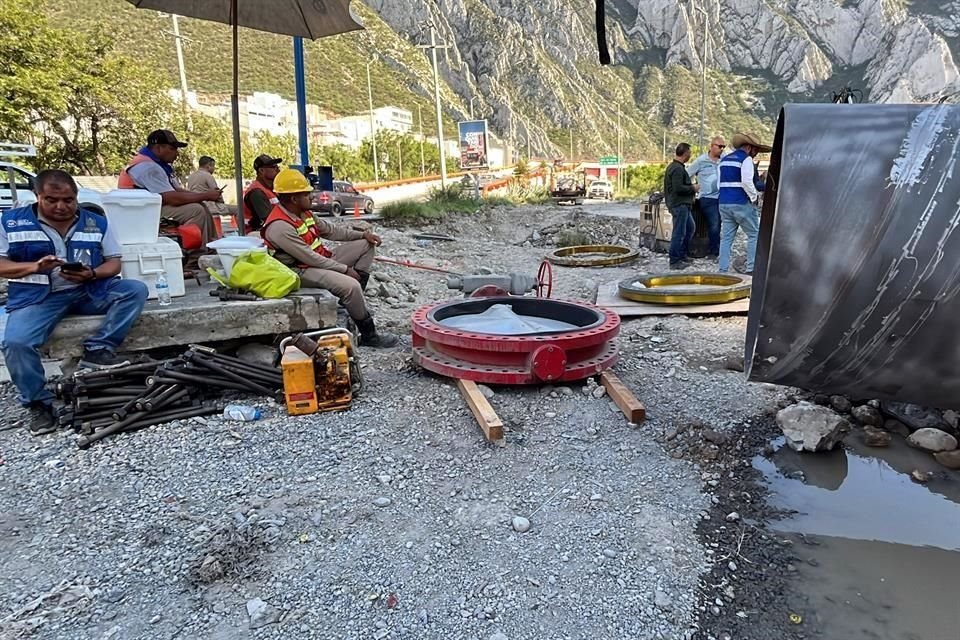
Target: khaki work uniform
x,y
323,272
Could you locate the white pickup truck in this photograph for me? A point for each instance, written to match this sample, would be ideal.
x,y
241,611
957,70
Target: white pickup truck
x,y
23,182
16,183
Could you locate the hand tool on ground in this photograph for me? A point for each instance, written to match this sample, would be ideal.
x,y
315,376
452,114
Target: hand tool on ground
x,y
226,295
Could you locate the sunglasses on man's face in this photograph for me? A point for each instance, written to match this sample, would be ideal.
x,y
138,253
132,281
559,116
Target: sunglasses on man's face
x,y
719,146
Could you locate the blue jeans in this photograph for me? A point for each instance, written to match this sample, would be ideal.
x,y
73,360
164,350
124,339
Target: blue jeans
x,y
733,217
710,208
28,328
683,229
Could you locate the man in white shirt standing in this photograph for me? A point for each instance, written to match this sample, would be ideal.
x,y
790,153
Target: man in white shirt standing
x,y
739,190
706,169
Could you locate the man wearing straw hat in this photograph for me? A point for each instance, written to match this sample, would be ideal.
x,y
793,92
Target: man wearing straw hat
x,y
739,190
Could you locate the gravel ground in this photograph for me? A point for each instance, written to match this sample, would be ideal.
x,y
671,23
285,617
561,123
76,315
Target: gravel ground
x,y
396,519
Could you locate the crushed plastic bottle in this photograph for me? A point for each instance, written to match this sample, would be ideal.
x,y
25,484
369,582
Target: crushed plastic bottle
x,y
241,413
163,289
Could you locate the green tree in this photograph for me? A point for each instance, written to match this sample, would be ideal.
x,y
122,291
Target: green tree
x,y
394,149
86,107
347,163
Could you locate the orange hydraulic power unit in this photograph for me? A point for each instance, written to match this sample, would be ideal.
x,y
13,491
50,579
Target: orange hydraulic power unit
x,y
320,371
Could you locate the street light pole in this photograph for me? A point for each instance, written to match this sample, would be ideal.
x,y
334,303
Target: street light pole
x,y
619,152
373,126
703,72
471,107
178,39
399,160
433,46
423,165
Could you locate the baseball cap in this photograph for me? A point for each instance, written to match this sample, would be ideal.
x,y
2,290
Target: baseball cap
x,y
264,160
164,136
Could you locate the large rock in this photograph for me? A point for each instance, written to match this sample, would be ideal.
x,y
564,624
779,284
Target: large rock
x,y
933,440
913,415
949,459
810,427
866,414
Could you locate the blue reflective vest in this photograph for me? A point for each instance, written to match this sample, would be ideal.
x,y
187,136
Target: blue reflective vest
x,y
28,243
731,190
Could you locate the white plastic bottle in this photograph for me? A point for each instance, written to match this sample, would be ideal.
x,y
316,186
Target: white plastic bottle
x,y
163,289
241,413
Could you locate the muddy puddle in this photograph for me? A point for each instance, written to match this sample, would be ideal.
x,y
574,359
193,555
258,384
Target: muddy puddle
x,y
879,554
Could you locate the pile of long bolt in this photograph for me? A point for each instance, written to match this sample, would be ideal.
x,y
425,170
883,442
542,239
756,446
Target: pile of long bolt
x,y
109,401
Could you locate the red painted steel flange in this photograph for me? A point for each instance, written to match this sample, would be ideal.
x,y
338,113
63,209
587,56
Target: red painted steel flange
x,y
557,356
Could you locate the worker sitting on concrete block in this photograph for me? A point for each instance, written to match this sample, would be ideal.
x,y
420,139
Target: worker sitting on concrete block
x,y
151,168
60,259
294,234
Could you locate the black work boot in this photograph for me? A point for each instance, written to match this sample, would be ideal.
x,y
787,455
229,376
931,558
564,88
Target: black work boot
x,y
101,359
364,279
369,337
40,419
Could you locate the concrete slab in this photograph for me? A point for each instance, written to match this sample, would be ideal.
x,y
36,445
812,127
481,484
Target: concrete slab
x,y
608,296
199,317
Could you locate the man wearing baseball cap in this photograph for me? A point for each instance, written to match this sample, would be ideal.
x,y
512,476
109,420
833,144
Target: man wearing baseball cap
x,y
739,190
152,169
259,198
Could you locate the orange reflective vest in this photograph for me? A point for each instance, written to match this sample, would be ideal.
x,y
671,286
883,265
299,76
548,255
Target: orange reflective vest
x,y
125,181
306,229
248,214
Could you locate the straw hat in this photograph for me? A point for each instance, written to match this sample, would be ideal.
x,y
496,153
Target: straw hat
x,y
740,139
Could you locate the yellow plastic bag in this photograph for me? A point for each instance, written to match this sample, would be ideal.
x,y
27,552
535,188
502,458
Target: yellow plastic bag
x,y
262,274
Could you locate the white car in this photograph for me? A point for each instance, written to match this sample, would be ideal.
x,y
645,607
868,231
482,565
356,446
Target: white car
x,y
600,189
23,179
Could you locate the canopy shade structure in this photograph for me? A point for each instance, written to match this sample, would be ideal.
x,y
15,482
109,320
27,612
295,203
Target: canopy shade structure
x,y
299,18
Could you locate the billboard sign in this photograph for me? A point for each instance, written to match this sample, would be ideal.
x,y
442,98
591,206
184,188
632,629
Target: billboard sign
x,y
473,144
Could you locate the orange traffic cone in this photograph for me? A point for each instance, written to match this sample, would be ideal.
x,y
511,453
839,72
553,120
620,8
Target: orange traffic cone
x,y
356,209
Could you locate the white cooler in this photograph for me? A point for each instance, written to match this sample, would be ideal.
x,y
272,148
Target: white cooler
x,y
144,262
229,249
134,215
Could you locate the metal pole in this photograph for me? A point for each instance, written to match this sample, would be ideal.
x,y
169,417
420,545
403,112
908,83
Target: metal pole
x,y
664,145
571,144
423,165
373,126
400,160
619,151
471,107
235,112
703,75
300,76
436,95
183,74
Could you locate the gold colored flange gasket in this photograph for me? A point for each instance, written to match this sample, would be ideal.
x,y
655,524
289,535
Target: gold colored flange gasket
x,y
717,288
616,254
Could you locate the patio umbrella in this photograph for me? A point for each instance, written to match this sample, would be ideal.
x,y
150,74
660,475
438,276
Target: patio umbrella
x,y
304,18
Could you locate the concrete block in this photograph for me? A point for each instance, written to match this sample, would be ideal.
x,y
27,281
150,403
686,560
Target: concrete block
x,y
199,318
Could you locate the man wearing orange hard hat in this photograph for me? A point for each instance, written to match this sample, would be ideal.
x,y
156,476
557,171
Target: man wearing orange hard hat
x,y
295,235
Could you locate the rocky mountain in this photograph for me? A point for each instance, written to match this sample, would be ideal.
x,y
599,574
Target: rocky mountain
x,y
531,66
534,64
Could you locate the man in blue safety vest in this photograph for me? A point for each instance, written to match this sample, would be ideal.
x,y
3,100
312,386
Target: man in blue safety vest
x,y
739,190
60,259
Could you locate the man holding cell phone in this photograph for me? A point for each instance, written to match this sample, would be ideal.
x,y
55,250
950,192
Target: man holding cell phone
x,y
60,259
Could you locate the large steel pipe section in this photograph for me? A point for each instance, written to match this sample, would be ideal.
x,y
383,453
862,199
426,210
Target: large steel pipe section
x,y
858,263
534,358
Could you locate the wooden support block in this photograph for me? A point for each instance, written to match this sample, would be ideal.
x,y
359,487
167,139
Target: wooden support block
x,y
623,397
486,417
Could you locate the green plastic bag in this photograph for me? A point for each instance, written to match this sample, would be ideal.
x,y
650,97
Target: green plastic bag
x,y
262,274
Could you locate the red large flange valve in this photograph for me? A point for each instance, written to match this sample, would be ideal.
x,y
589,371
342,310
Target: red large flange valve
x,y
545,280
